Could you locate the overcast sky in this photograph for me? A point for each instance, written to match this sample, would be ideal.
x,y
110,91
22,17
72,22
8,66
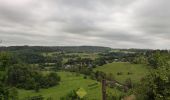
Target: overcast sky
x,y
111,23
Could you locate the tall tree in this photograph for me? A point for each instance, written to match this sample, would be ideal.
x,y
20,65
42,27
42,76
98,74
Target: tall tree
x,y
156,86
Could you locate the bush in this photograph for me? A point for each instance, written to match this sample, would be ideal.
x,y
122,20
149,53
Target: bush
x,y
129,83
119,73
24,76
70,96
53,79
129,73
85,77
110,77
7,93
49,98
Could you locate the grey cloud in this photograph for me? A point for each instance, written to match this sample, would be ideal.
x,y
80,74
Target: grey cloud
x,y
15,13
113,23
153,17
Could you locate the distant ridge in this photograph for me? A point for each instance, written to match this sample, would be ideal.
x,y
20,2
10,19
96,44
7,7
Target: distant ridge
x,y
57,48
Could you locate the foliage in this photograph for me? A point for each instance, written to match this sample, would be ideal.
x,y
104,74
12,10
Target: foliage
x,y
88,49
140,59
7,93
128,83
157,59
29,57
156,86
100,61
70,96
24,76
5,60
69,81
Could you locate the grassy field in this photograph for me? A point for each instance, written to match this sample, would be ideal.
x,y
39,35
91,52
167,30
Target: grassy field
x,y
82,55
85,55
69,81
50,53
138,70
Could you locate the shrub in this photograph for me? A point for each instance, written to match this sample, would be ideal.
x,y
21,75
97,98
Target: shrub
x,y
119,73
85,77
129,73
24,76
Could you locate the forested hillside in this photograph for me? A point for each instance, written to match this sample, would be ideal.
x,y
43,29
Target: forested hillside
x,y
56,48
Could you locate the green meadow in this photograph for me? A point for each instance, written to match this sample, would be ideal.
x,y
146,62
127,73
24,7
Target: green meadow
x,y
72,81
69,82
137,71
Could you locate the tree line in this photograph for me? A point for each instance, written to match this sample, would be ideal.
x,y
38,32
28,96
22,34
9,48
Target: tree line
x,y
20,75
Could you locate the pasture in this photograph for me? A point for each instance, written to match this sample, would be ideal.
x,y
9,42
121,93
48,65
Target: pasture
x,y
69,81
124,70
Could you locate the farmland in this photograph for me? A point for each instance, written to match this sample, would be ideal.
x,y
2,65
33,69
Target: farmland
x,y
42,73
69,82
136,71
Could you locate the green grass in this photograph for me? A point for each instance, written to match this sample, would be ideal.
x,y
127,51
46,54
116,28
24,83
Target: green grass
x,y
121,51
45,54
69,81
82,55
85,55
138,70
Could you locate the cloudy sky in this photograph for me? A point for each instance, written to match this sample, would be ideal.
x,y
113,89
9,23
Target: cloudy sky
x,y
111,23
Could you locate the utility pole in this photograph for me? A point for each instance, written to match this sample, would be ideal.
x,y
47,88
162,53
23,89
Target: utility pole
x,y
103,89
106,82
